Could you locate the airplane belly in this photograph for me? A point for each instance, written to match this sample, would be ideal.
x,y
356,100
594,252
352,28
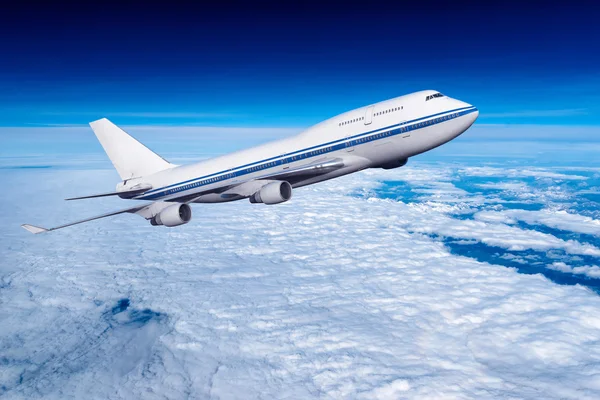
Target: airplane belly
x,y
217,198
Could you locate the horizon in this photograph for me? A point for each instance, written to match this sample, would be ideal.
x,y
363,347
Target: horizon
x,y
244,90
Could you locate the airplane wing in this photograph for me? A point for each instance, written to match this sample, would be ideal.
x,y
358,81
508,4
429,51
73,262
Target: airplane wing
x,y
243,189
123,195
292,176
36,229
251,186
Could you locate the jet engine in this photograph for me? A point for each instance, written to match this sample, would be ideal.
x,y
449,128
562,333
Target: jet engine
x,y
273,193
175,215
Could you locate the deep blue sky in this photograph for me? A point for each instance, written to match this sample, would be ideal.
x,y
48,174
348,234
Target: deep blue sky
x,y
270,64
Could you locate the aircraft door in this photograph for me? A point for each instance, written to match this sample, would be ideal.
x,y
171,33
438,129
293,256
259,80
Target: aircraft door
x,y
233,176
369,115
284,161
349,144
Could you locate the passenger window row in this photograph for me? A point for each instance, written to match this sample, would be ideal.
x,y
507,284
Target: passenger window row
x,y
262,166
406,128
309,154
436,120
351,121
290,159
389,110
201,183
319,151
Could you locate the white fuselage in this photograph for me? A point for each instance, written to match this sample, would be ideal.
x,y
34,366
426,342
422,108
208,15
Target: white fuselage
x,y
377,135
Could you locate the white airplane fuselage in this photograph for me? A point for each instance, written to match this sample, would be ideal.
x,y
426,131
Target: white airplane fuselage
x,y
384,134
381,135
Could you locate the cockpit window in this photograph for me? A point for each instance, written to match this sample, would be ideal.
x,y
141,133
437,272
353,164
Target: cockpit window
x,y
434,96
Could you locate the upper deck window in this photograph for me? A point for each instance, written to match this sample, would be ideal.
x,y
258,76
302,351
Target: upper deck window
x,y
434,96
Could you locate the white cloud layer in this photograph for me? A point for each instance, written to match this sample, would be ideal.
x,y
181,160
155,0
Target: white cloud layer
x,y
592,271
519,173
551,144
565,112
559,219
144,114
327,296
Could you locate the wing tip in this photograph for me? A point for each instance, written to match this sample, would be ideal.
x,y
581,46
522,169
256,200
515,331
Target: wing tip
x,y
34,229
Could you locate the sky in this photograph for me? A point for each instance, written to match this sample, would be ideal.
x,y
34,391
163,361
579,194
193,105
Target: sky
x,y
290,65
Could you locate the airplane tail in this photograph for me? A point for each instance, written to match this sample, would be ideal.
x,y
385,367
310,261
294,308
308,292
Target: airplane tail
x,y
130,158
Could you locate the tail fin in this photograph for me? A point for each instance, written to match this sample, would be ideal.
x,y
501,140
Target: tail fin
x,y
130,158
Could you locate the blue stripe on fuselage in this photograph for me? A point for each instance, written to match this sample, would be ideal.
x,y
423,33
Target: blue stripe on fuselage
x,y
303,154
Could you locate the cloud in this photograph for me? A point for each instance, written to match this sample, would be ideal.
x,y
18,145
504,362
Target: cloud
x,y
509,186
527,143
567,112
592,271
181,142
564,144
56,125
329,295
495,234
440,199
559,219
532,133
144,114
527,172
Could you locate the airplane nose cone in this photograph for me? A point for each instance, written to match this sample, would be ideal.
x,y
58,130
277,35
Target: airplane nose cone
x,y
472,116
475,113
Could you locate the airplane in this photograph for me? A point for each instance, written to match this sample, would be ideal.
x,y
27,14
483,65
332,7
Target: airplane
x,y
381,135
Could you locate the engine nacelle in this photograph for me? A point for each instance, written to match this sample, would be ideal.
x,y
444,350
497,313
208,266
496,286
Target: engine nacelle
x,y
177,214
273,193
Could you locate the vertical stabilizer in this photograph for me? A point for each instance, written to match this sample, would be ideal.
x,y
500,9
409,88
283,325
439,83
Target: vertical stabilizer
x,y
130,158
